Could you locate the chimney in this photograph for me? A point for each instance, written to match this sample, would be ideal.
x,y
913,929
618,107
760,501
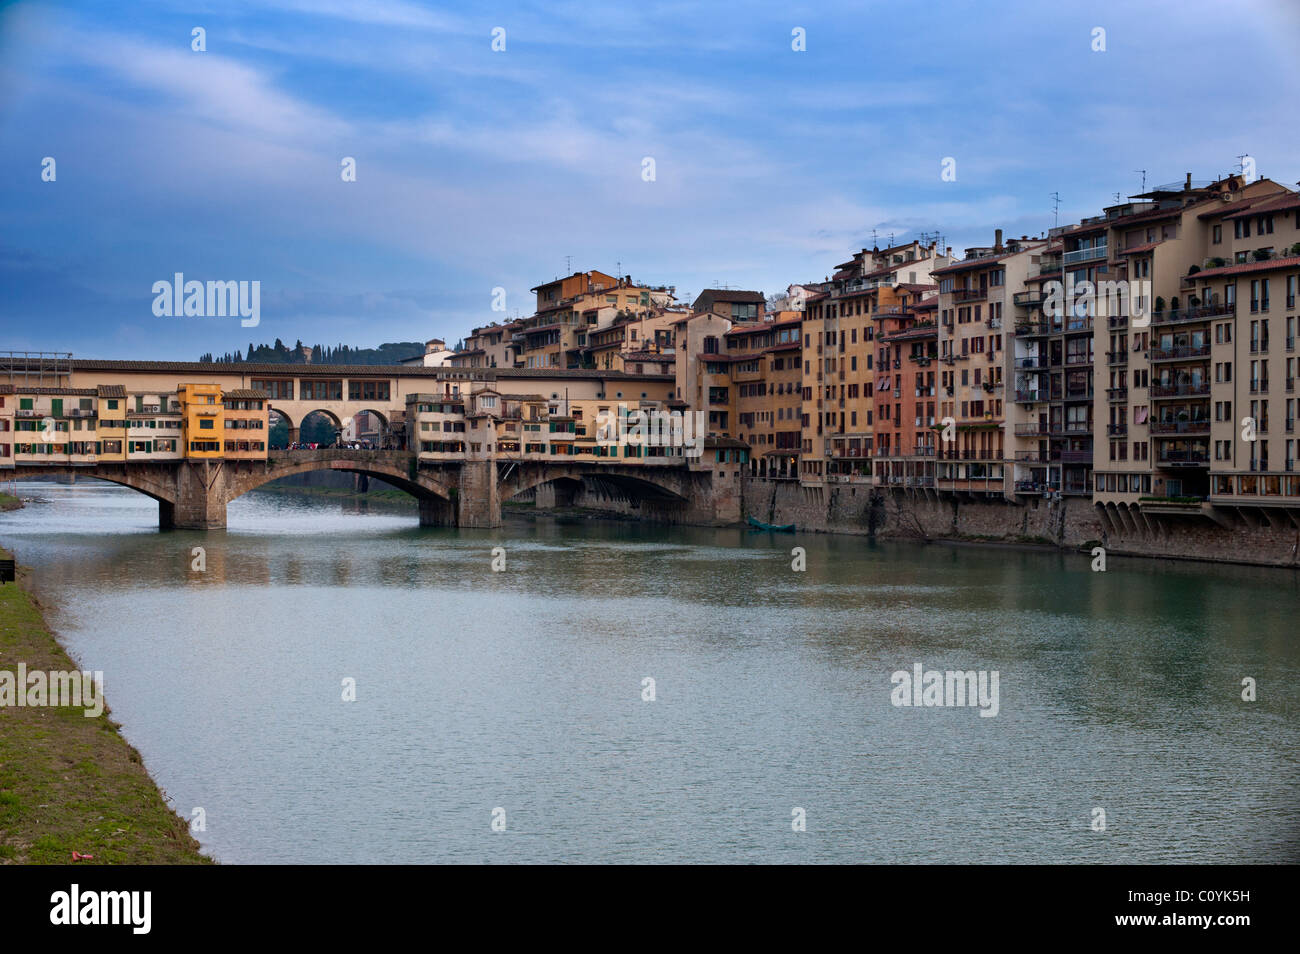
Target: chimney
x,y
997,240
1187,183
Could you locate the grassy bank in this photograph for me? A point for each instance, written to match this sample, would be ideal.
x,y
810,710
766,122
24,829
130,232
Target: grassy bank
x,y
69,783
9,502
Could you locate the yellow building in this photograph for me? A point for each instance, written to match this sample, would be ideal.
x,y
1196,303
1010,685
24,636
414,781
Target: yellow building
x,y
246,424
203,427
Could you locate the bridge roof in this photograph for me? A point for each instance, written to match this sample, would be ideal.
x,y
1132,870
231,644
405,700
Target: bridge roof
x,y
345,370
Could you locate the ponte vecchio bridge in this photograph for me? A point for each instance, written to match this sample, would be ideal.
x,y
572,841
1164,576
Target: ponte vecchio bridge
x,y
496,434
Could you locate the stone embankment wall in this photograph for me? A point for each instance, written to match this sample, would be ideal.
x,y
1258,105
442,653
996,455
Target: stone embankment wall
x,y
1267,539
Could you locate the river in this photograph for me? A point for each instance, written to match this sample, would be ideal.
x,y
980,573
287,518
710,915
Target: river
x,y
523,689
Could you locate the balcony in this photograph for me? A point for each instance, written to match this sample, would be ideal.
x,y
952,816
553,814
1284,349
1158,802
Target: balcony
x,y
1036,487
1032,457
1076,457
1078,394
1259,387
1183,458
969,294
1116,430
1180,390
1180,353
1031,329
1085,255
1185,316
1033,363
1028,299
1198,427
79,412
1030,397
1031,430
1117,394
1117,357
1071,429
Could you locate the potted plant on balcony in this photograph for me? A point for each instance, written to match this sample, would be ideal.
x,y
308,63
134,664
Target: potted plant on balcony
x,y
1295,249
1160,304
1173,304
1261,255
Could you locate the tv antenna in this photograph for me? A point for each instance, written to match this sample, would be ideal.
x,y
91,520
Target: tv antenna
x,y
1056,209
568,264
1144,180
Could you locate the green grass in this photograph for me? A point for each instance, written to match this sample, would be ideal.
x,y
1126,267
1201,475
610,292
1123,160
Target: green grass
x,y
69,783
9,502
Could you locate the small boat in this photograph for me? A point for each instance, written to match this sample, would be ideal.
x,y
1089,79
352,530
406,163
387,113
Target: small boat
x,y
778,527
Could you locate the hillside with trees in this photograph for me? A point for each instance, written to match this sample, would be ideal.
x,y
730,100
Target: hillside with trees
x,y
279,353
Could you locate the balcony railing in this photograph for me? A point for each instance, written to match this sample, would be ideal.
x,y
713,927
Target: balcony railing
x,y
1116,430
1028,299
1117,394
1085,255
1180,353
1179,390
1030,397
1117,357
1180,427
1182,316
969,294
1183,458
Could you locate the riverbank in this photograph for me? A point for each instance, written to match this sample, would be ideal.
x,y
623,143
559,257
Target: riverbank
x,y
1264,537
69,783
9,502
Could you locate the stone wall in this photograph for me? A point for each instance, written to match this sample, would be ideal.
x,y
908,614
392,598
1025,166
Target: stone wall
x,y
1268,539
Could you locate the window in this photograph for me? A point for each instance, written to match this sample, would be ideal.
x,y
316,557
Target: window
x,y
368,390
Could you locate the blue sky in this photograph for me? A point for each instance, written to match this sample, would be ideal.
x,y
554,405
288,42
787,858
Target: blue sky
x,y
478,169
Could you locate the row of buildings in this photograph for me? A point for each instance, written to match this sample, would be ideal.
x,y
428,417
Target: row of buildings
x,y
42,425
1145,357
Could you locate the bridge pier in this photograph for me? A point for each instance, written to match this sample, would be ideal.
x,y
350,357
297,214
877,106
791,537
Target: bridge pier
x,y
436,512
200,497
478,502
